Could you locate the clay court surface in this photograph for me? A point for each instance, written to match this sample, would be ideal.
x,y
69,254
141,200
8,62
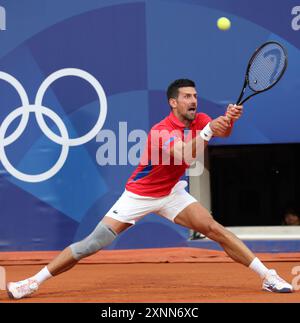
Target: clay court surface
x,y
171,275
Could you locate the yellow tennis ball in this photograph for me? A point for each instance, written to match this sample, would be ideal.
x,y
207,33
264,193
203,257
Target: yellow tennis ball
x,y
223,23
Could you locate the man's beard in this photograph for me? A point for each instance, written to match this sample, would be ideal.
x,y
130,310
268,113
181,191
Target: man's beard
x,y
191,116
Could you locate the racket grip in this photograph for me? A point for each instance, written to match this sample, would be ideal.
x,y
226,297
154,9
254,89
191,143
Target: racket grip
x,y
228,117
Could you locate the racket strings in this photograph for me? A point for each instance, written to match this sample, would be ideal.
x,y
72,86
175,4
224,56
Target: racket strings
x,y
266,67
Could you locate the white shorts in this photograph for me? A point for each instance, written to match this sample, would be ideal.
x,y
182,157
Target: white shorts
x,y
131,207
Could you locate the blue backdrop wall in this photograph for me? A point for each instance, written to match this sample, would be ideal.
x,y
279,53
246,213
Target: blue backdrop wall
x,y
134,49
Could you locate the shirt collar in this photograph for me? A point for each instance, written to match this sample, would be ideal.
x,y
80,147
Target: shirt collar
x,y
177,123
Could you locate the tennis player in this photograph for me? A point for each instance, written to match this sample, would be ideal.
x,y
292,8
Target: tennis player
x,y
155,187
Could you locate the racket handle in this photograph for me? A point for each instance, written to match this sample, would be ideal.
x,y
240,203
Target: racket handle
x,y
229,118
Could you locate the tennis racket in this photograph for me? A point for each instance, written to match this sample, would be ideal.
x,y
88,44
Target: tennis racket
x,y
265,68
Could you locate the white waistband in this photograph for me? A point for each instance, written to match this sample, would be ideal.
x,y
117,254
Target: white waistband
x,y
177,187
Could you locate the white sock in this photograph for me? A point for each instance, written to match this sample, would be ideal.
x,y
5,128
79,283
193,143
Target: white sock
x,y
257,266
42,275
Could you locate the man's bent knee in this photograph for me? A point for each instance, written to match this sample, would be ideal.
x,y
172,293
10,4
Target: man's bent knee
x,y
216,231
101,237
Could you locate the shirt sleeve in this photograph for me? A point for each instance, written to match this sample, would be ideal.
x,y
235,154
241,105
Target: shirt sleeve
x,y
202,120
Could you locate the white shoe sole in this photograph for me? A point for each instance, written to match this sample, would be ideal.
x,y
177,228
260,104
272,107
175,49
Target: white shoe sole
x,y
283,290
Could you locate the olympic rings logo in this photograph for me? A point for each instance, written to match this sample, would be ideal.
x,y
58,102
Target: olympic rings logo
x,y
39,110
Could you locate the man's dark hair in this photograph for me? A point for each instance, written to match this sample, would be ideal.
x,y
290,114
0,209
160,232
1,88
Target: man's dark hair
x,y
172,91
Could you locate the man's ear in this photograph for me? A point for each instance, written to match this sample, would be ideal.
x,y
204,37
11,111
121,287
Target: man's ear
x,y
173,103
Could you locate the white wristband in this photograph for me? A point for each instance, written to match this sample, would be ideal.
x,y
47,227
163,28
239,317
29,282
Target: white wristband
x,y
206,133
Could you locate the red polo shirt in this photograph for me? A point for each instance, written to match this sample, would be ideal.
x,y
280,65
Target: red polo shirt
x,y
157,172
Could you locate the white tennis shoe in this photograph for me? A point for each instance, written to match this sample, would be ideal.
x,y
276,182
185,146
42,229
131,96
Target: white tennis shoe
x,y
273,283
22,288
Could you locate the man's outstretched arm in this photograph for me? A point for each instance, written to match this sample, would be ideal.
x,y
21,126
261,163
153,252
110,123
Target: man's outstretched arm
x,y
219,127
